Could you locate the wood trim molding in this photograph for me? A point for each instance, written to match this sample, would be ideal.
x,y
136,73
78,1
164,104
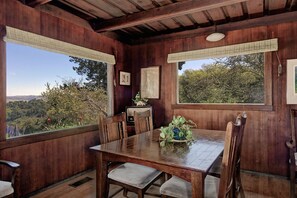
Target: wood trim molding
x,y
268,97
243,107
34,138
2,84
160,13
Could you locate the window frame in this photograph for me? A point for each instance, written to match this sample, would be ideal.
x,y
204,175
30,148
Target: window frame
x,y
266,106
47,135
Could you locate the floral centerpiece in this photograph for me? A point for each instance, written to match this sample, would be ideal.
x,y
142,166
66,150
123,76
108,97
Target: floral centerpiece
x,y
138,101
178,130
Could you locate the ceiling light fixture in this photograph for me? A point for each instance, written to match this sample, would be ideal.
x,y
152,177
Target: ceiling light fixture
x,y
215,36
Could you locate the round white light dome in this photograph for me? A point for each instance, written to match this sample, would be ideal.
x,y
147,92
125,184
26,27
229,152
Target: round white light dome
x,y
215,37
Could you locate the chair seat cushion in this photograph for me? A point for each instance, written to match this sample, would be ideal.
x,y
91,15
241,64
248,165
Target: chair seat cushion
x,y
134,174
5,188
177,187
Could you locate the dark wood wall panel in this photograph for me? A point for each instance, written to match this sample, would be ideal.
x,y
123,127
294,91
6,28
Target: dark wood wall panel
x,y
46,162
122,93
264,147
152,55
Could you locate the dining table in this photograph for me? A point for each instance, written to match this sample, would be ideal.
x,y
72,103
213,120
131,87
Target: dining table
x,y
190,160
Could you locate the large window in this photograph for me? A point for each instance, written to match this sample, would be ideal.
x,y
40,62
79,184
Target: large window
x,y
47,91
234,79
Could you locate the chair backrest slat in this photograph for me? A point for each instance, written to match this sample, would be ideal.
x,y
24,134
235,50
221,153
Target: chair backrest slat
x,y
112,128
143,121
240,120
229,158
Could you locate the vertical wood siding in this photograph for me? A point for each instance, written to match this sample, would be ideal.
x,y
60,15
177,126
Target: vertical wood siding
x,y
264,147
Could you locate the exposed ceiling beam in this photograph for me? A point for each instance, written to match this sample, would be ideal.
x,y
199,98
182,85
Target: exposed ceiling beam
x,y
35,3
160,13
248,23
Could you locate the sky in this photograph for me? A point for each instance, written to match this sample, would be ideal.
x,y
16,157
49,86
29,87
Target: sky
x,y
29,69
194,64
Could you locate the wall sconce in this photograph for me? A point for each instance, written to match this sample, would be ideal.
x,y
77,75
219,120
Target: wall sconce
x,y
215,36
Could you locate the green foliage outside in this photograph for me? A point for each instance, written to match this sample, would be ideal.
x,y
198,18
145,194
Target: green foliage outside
x,y
237,79
63,105
95,72
26,115
73,105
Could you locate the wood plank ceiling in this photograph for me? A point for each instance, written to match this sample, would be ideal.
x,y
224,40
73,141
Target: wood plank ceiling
x,y
132,20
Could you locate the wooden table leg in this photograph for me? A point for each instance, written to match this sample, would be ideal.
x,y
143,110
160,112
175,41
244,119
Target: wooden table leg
x,y
101,176
197,180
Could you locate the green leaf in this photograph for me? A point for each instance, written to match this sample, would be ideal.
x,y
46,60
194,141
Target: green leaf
x,y
162,143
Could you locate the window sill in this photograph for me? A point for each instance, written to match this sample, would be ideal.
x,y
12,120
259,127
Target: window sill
x,y
241,107
39,137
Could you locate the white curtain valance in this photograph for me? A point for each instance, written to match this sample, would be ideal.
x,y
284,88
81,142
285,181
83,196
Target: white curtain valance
x,y
34,40
229,50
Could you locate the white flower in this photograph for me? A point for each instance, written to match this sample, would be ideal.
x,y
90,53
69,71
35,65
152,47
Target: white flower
x,y
140,103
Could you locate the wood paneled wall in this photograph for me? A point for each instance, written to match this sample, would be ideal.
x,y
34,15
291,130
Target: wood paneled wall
x,y
264,147
46,162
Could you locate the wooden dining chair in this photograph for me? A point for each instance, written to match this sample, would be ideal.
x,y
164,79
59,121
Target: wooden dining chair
x,y
112,128
291,144
132,177
143,121
177,187
216,168
10,188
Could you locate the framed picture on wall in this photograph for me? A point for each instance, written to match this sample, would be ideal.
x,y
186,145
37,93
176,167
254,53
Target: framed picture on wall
x,y
150,82
125,78
292,81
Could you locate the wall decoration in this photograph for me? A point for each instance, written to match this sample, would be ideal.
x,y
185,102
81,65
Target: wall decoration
x,y
125,78
150,82
292,81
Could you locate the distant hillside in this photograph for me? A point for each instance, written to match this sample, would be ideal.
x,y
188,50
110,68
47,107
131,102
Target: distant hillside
x,y
22,98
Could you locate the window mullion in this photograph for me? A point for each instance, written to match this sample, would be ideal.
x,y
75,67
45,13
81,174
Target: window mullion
x,y
2,86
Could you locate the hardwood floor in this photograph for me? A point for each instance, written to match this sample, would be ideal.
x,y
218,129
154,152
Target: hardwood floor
x,y
87,190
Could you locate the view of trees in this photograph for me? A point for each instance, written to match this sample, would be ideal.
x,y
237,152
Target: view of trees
x,y
66,104
96,72
237,79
